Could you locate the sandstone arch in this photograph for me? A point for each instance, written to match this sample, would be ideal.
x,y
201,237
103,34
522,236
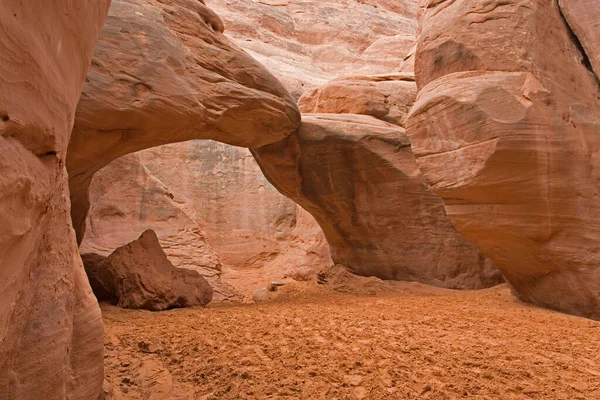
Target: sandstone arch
x,y
357,176
144,90
161,74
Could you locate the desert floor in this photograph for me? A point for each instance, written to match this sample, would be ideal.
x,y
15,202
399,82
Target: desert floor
x,y
309,342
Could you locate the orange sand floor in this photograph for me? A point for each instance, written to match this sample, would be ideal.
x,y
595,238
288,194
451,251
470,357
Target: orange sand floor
x,y
419,343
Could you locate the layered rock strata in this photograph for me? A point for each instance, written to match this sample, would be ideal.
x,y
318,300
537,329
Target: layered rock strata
x,y
506,130
307,43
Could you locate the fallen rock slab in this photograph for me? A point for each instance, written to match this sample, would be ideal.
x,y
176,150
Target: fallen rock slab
x,y
139,275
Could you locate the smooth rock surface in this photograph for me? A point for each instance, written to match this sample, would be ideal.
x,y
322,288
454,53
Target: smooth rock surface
x,y
506,130
357,176
163,72
139,275
50,325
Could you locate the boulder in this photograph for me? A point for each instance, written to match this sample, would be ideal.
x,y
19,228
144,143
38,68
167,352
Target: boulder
x,y
357,176
129,197
506,129
163,72
50,325
139,275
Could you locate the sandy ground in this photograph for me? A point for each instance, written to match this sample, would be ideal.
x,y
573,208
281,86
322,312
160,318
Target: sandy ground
x,y
308,342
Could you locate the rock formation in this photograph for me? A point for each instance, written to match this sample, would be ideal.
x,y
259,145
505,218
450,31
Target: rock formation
x,y
267,237
211,207
357,176
163,72
212,200
139,275
506,130
50,323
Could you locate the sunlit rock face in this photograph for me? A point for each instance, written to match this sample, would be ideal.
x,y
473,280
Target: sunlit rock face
x,y
506,130
388,97
50,325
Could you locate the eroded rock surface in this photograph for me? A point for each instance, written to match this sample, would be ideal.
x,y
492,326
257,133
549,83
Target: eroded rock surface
x,y
506,130
307,43
139,275
163,72
50,324
357,176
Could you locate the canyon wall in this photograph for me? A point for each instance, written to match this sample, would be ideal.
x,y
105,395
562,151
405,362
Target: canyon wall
x,y
506,130
307,43
51,333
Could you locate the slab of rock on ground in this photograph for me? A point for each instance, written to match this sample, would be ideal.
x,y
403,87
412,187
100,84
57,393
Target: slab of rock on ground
x,y
50,324
357,176
127,199
506,129
139,275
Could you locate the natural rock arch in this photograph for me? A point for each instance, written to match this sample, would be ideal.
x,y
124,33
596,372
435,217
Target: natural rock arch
x,y
197,85
161,74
